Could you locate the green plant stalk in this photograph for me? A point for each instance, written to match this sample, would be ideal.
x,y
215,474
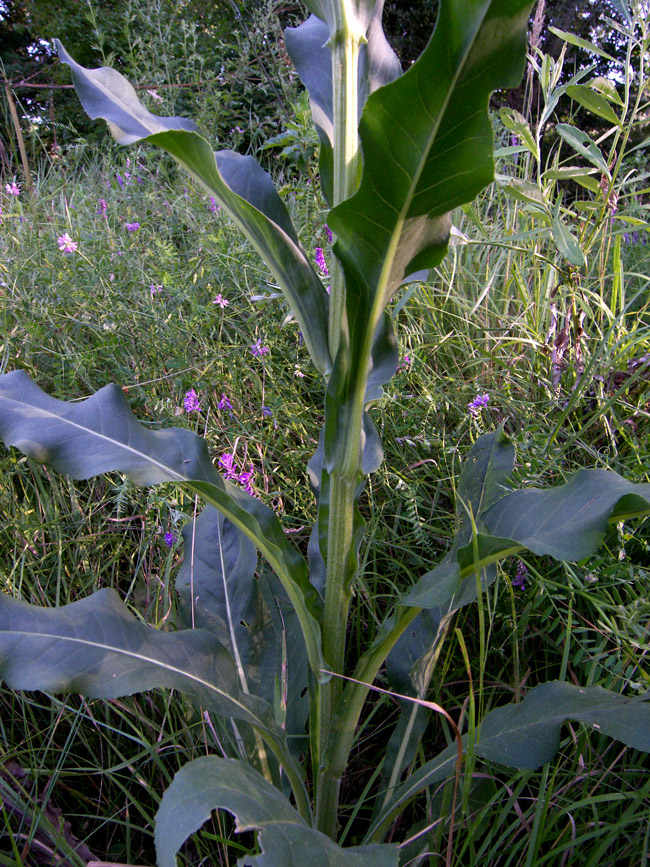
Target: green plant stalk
x,y
345,47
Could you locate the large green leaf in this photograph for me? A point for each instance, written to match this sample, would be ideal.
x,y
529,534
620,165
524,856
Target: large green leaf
x,y
309,49
527,735
419,165
567,521
101,434
251,616
96,647
211,783
244,189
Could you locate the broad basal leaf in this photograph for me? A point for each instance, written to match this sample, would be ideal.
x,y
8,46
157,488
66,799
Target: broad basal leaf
x,y
251,616
567,521
526,735
420,163
244,189
285,839
100,434
96,647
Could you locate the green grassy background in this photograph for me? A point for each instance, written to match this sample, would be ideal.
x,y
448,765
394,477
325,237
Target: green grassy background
x,y
479,326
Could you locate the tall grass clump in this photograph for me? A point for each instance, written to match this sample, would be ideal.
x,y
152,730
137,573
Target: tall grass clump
x,y
389,682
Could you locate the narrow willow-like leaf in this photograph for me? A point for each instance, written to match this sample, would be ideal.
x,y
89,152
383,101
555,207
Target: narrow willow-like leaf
x,y
527,735
308,48
244,189
212,783
593,102
101,434
581,143
96,647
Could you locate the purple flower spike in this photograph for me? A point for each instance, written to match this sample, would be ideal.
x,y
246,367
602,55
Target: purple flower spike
x,y
475,406
132,227
224,403
328,232
520,575
169,539
258,350
320,261
191,401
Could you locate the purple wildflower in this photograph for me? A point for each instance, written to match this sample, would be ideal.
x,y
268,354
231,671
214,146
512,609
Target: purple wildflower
x,y
228,465
520,575
103,207
258,350
328,232
224,403
155,289
475,406
220,301
405,364
214,207
319,258
244,480
132,227
66,244
0,213
12,189
266,410
191,401
169,539
119,180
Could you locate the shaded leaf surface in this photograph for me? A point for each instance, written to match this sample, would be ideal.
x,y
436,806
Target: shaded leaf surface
x,y
101,434
241,185
213,783
96,647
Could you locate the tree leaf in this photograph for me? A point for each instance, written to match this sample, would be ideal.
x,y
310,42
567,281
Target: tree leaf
x,y
581,143
593,102
101,434
211,783
244,189
96,647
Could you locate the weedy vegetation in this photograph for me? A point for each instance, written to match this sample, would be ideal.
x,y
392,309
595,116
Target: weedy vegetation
x,y
433,656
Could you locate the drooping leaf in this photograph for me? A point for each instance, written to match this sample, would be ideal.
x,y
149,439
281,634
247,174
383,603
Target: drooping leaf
x,y
252,617
526,735
211,783
244,189
588,98
100,434
96,647
567,521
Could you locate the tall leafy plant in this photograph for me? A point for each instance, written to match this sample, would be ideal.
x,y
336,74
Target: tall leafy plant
x,y
267,650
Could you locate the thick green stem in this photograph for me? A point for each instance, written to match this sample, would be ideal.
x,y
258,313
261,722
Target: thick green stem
x,y
345,46
345,69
